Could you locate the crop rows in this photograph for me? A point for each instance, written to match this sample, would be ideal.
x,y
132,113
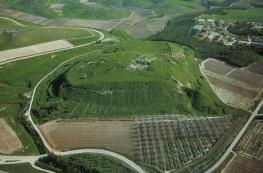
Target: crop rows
x,y
252,141
171,143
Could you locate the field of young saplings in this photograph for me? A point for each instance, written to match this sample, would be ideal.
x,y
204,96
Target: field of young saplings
x,y
169,143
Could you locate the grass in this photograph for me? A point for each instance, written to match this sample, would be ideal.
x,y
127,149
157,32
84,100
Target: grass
x,y
71,9
14,36
93,163
22,168
18,79
253,14
101,84
104,9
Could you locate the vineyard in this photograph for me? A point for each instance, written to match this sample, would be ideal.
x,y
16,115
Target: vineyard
x,y
251,143
169,143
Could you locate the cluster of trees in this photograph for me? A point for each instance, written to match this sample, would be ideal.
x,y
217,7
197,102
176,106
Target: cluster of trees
x,y
245,28
64,165
30,129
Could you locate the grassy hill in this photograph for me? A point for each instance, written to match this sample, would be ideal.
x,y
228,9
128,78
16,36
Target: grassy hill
x,y
127,79
14,36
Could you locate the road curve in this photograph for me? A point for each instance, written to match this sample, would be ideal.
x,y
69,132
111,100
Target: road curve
x,y
236,140
101,37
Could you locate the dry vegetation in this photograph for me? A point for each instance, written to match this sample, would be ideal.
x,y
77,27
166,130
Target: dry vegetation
x,y
236,87
9,142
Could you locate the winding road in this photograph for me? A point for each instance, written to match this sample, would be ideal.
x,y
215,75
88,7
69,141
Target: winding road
x,y
32,159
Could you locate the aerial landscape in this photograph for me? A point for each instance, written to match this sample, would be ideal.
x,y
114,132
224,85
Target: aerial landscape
x,y
131,86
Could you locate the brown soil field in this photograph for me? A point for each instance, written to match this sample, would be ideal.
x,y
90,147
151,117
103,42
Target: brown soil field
x,y
236,87
248,77
9,142
233,88
256,67
242,164
115,135
217,67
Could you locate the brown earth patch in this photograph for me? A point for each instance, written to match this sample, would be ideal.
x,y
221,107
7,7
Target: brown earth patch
x,y
242,164
9,142
115,135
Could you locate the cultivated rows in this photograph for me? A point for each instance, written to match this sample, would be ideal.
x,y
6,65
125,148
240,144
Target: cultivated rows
x,y
170,144
252,141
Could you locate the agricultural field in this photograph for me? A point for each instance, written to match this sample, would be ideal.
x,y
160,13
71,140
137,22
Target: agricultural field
x,y
76,134
100,9
65,9
9,141
256,67
252,14
170,143
117,81
234,86
251,144
139,18
22,167
13,35
164,142
243,164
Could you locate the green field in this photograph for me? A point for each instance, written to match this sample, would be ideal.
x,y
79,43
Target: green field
x,y
19,168
253,14
71,9
91,163
102,9
14,36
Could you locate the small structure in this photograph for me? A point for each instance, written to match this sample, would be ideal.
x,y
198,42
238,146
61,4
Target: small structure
x,y
196,29
201,21
212,35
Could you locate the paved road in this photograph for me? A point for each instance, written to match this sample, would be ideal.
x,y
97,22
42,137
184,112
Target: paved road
x,y
235,141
